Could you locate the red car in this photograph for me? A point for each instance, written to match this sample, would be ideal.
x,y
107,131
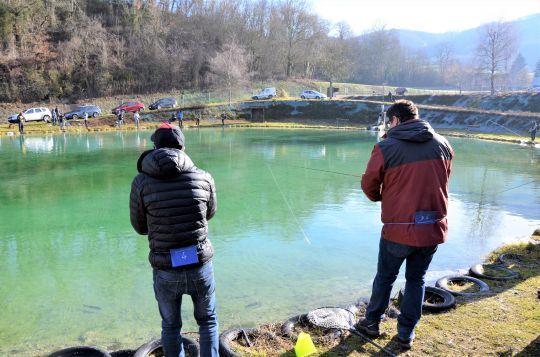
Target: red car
x,y
128,107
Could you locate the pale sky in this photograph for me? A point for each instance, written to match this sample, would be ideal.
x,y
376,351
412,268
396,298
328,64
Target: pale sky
x,y
422,15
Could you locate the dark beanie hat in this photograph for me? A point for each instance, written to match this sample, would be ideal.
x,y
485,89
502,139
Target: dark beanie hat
x,y
168,136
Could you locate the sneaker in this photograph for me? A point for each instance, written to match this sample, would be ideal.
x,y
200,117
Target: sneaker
x,y
405,344
369,328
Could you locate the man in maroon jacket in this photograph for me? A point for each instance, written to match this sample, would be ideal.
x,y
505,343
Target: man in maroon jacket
x,y
408,172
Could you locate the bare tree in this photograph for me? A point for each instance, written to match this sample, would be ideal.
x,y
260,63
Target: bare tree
x,y
519,73
496,45
335,62
230,66
445,60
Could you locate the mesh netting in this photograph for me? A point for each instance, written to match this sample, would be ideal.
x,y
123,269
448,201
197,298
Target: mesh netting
x,y
331,317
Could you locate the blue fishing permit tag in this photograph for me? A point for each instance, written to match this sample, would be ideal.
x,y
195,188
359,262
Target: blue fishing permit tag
x,y
184,256
425,217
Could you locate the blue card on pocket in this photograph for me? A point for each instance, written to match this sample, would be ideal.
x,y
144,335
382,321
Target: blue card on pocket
x,y
184,256
425,217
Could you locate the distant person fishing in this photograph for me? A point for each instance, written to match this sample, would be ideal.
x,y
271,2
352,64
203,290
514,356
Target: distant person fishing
x,y
533,130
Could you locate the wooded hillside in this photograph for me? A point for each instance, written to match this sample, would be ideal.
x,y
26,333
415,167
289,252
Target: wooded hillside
x,y
87,48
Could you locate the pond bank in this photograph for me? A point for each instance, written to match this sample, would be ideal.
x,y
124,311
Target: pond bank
x,y
106,124
503,322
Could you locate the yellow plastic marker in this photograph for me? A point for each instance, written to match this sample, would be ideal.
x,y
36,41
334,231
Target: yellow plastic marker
x,y
304,345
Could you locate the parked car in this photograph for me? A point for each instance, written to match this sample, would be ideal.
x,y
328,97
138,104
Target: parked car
x,y
401,90
163,103
33,114
312,94
128,107
78,112
266,93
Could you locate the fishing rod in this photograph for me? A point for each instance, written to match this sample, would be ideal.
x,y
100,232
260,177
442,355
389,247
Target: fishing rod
x,y
502,126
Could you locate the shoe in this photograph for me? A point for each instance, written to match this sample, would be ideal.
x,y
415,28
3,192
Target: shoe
x,y
405,344
369,328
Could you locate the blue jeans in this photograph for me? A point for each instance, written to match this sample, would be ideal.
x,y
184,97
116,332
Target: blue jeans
x,y
391,256
169,286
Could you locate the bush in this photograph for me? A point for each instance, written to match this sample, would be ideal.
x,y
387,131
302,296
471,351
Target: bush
x,y
282,93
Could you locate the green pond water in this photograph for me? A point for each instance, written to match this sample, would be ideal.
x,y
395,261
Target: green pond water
x,y
292,231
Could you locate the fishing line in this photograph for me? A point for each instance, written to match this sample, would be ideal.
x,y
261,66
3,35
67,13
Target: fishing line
x,y
327,171
518,186
508,189
288,205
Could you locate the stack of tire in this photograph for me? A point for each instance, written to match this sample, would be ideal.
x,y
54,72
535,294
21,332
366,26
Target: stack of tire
x,y
477,275
191,348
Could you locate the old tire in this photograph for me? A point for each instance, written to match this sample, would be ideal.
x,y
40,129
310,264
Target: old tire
x,y
449,301
123,353
227,337
478,271
94,115
443,283
74,117
302,97
46,118
191,347
81,351
288,326
508,258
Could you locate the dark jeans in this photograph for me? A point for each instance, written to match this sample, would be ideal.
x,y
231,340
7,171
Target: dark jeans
x,y
391,256
169,286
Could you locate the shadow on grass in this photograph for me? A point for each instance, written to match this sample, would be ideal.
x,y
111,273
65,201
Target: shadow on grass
x,y
533,349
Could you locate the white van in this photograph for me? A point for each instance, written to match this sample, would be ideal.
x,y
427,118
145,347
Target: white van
x,y
266,93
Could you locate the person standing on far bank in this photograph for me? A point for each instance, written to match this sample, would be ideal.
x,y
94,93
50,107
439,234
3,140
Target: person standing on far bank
x,y
533,130
172,200
85,116
136,117
408,172
20,121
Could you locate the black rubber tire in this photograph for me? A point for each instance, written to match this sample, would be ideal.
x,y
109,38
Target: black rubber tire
x,y
478,272
302,97
227,337
287,327
443,284
318,98
507,258
81,351
191,347
46,119
123,353
255,98
449,301
94,115
75,117
270,96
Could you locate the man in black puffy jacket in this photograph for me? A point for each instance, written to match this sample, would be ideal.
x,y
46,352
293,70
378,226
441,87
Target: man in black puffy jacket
x,y
171,201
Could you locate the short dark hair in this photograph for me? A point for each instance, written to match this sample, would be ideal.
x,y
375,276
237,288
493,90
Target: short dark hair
x,y
403,109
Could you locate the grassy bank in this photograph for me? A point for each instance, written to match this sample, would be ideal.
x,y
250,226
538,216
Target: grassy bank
x,y
503,322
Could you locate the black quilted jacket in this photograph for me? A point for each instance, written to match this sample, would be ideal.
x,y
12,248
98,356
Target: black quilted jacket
x,y
172,200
